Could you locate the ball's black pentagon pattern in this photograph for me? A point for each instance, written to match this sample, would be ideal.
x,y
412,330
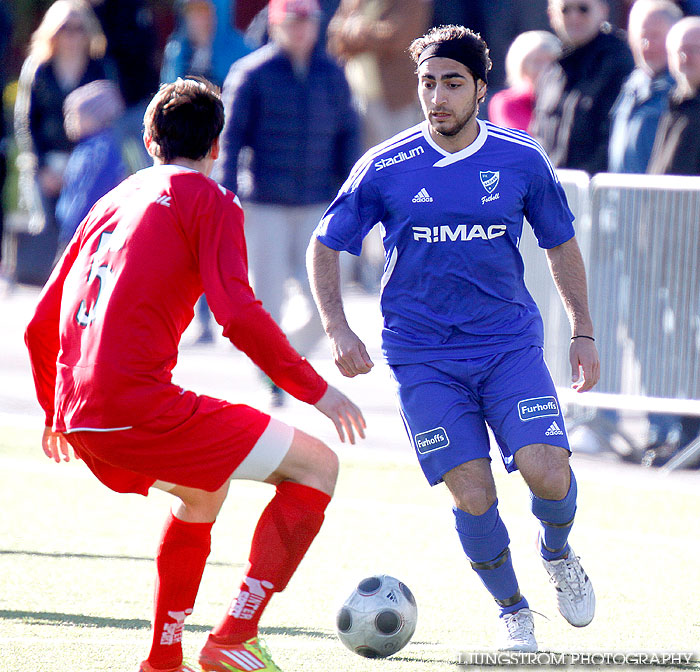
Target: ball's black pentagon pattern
x,y
388,622
407,593
378,618
369,586
344,620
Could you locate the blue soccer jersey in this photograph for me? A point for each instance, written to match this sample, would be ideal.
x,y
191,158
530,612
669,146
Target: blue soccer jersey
x,y
451,224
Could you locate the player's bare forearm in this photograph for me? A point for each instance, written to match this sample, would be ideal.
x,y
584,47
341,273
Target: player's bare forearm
x,y
349,351
323,267
569,274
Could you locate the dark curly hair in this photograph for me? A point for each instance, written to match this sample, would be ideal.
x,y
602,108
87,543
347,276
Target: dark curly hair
x,y
184,118
449,34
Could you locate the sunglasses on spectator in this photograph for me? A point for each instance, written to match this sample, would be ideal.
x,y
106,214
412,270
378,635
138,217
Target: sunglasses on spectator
x,y
582,9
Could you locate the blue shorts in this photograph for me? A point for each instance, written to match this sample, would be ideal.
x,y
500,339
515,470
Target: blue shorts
x,y
446,405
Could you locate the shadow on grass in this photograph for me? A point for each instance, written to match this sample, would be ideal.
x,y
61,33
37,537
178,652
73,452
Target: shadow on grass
x,y
82,620
297,632
451,660
94,556
53,618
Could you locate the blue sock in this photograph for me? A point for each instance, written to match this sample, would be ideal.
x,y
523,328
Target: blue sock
x,y
485,541
557,517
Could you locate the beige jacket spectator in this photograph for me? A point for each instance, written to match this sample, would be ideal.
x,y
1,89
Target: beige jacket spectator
x,y
371,37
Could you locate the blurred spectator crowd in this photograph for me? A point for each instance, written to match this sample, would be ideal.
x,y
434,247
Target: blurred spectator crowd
x,y
604,85
592,80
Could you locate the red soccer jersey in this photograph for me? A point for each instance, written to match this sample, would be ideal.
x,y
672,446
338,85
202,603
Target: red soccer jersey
x,y
105,334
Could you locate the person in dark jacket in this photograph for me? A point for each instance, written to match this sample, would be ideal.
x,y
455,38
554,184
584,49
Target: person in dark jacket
x,y
65,52
289,107
133,54
132,47
635,118
677,144
574,100
645,93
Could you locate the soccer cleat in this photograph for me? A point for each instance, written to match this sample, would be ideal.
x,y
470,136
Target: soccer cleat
x,y
575,595
183,667
520,632
250,656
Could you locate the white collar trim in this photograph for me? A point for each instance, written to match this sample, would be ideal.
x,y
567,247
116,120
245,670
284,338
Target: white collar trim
x,y
452,157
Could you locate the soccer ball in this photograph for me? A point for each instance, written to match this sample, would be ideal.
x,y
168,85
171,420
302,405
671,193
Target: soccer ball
x,y
378,618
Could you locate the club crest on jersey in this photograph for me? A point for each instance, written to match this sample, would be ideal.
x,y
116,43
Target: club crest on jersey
x,y
433,439
538,407
490,180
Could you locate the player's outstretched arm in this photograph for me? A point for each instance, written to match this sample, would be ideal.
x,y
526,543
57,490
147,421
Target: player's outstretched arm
x,y
569,274
346,417
349,352
55,446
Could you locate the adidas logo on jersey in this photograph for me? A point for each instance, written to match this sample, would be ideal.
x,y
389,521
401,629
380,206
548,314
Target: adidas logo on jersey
x,y
554,430
423,197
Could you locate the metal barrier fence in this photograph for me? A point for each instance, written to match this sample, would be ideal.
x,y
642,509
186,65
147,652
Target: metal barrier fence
x,y
640,238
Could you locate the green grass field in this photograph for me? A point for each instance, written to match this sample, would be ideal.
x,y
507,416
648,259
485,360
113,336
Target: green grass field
x,y
76,566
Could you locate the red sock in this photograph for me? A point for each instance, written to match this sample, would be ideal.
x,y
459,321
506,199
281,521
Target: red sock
x,y
182,554
284,533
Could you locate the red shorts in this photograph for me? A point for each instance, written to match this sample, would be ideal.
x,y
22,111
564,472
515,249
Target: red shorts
x,y
199,443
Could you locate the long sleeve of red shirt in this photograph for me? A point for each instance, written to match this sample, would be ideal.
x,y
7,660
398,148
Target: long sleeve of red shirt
x,y
42,335
105,335
246,323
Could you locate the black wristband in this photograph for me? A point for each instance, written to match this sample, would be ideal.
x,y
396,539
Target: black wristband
x,y
590,338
